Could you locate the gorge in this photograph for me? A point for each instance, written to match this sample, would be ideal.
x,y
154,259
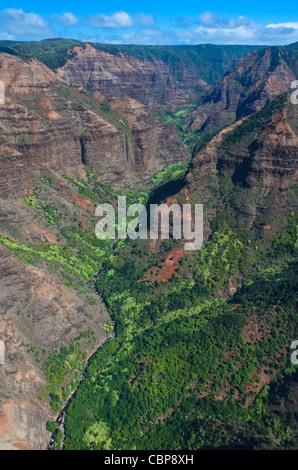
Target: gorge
x,y
201,355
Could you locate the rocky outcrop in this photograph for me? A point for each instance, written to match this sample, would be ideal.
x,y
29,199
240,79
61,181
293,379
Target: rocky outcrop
x,y
45,124
261,163
256,80
151,144
151,82
36,309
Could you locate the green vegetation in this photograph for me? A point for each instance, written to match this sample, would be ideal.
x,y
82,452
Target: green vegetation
x,y
76,257
52,52
101,193
51,426
97,435
201,354
184,359
24,139
78,260
177,119
51,213
59,367
255,121
171,172
208,61
160,379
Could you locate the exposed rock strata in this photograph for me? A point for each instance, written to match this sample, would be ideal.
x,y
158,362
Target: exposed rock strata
x,y
151,82
45,125
256,80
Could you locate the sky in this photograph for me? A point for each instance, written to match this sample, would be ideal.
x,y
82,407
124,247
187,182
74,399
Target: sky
x,y
153,22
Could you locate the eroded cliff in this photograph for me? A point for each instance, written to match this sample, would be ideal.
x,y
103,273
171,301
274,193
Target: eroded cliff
x,y
250,166
255,81
46,124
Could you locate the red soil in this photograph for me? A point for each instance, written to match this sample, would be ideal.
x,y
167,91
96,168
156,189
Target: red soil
x,y
85,203
166,272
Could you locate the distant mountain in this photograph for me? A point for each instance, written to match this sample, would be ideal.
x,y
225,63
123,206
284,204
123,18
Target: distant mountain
x,y
254,81
170,76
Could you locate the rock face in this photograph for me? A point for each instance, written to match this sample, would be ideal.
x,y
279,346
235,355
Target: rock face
x,y
151,82
28,299
48,126
256,80
45,124
151,144
101,120
261,161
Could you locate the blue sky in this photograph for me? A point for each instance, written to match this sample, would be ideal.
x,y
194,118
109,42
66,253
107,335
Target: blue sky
x,y
154,22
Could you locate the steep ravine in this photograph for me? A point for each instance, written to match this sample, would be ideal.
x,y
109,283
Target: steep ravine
x,y
61,415
155,196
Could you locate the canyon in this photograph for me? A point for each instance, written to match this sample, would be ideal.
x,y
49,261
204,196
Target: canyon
x,y
93,126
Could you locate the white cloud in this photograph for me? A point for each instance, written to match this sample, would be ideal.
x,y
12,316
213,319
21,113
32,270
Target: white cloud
x,y
226,35
235,31
289,25
7,36
240,21
207,18
145,20
240,30
129,36
22,24
67,19
121,19
142,28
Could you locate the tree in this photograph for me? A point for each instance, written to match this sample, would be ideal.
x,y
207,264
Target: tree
x,y
51,426
97,436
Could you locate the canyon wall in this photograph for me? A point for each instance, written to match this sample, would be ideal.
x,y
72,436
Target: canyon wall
x,y
45,124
